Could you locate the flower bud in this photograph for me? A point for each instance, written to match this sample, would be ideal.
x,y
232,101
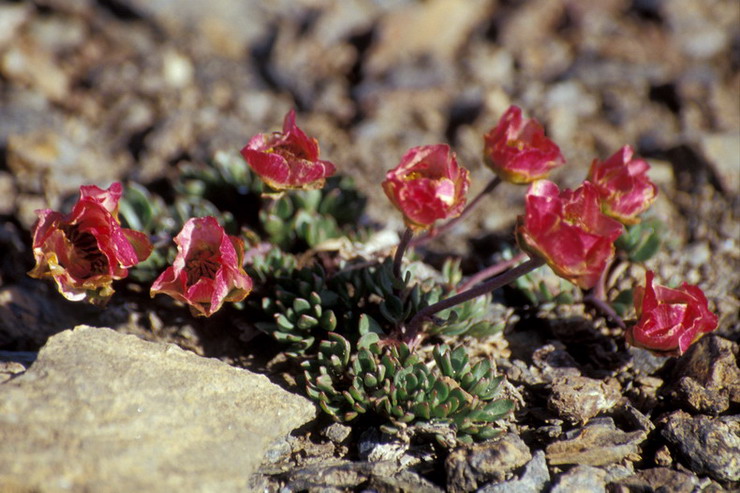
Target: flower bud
x,y
427,185
207,270
670,320
87,249
623,185
517,150
288,159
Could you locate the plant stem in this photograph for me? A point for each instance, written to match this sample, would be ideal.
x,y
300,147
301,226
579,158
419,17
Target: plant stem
x,y
449,224
491,271
414,325
606,310
597,299
405,240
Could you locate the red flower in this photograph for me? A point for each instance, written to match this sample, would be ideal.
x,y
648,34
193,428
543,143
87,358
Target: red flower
x,y
288,160
428,184
670,319
85,250
625,189
568,230
518,151
207,270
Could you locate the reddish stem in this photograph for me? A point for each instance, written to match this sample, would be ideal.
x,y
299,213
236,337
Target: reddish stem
x,y
413,327
597,299
398,258
491,271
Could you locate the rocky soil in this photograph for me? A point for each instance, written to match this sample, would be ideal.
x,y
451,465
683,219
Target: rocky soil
x,y
93,91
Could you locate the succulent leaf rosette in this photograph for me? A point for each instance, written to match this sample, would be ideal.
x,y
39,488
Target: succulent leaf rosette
x,y
207,270
518,151
670,320
623,185
288,159
87,249
568,230
427,185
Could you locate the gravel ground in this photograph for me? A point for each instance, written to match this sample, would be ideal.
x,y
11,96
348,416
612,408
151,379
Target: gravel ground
x,y
93,91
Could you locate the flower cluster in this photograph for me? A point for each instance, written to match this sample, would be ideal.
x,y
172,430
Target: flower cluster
x,y
567,229
352,320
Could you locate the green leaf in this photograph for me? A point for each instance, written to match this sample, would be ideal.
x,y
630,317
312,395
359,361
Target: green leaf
x,y
623,301
301,306
367,340
283,322
647,249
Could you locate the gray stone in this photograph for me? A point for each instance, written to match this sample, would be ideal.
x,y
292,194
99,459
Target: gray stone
x,y
597,444
534,478
707,445
337,432
581,479
351,476
555,362
578,399
657,479
469,467
707,377
101,411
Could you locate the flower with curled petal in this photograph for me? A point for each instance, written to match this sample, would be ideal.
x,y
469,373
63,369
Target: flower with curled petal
x,y
517,150
207,270
87,249
623,185
288,159
568,230
670,320
427,185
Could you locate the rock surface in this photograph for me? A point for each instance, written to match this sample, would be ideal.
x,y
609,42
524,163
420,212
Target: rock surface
x,y
101,411
597,444
470,467
534,478
578,399
707,377
581,479
707,445
659,478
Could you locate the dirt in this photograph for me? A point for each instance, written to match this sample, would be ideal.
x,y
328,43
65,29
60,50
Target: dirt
x,y
100,90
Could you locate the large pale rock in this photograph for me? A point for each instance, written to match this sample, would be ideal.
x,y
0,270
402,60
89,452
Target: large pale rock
x,y
105,412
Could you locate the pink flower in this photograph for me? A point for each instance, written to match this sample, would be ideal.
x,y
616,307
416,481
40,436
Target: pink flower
x,y
623,184
568,230
207,270
87,249
427,185
518,151
670,319
288,159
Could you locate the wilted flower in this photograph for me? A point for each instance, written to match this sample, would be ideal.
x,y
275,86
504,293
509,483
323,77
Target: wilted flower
x,y
85,250
517,150
288,159
670,319
207,270
623,184
568,230
427,185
